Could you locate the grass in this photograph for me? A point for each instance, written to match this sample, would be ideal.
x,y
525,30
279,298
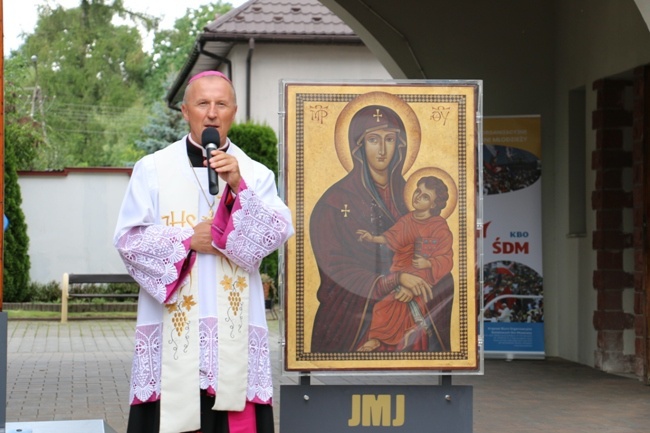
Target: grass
x,y
56,315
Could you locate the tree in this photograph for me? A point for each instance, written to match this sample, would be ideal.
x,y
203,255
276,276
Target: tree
x,y
22,141
171,48
16,242
88,73
22,132
165,126
122,131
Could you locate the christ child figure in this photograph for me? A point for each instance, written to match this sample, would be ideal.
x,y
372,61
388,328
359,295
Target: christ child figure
x,y
422,246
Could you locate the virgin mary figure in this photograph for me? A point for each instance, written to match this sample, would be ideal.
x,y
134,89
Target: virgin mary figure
x,y
355,275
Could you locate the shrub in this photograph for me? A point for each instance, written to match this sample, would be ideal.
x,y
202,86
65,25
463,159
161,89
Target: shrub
x,y
260,143
107,289
49,292
16,241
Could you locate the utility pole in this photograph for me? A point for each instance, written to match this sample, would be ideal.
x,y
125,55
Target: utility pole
x,y
36,93
37,99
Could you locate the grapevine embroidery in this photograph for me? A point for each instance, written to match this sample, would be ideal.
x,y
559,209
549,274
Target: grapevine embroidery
x,y
234,287
180,322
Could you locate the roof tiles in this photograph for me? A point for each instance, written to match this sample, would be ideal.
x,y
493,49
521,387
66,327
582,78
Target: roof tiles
x,y
280,17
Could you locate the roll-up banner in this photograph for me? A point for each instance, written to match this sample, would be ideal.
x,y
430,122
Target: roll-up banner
x,y
513,311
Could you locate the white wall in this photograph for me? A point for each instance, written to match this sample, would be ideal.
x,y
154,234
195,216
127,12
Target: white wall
x,y
70,220
274,62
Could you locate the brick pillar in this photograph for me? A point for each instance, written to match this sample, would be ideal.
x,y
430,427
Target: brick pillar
x,y
609,199
641,144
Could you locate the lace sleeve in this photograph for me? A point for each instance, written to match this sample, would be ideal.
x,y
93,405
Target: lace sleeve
x,y
251,232
156,256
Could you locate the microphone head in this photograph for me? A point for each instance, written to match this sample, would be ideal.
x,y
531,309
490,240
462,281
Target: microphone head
x,y
210,135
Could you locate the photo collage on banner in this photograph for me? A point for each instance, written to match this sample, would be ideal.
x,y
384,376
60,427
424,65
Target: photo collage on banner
x,y
513,310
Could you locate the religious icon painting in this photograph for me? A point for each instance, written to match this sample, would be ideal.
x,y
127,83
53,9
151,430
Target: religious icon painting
x,y
381,178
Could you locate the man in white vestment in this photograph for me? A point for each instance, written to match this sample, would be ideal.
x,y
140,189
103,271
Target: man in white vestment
x,y
201,361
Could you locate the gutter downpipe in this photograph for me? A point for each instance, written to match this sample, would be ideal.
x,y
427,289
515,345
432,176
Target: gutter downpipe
x,y
249,57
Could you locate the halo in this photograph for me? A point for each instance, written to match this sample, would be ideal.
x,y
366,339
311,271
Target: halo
x,y
412,182
403,110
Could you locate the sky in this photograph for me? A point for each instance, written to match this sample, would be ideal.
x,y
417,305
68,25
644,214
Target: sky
x,y
20,15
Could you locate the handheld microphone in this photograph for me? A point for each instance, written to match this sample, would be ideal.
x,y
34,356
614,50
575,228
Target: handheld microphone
x,y
210,140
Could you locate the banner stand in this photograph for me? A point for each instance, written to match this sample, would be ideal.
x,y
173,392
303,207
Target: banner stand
x,y
513,282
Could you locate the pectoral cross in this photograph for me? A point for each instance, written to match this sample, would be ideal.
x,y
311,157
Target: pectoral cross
x,y
345,211
209,217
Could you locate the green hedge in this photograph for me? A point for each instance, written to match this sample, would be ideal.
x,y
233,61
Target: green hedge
x,y
260,143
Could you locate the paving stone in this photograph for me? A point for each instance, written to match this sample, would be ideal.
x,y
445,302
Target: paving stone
x,y
80,370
